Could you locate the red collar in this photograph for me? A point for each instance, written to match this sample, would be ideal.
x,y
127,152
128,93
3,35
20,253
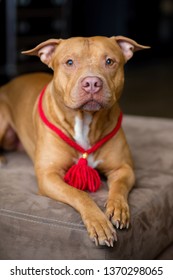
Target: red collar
x,y
67,139
80,175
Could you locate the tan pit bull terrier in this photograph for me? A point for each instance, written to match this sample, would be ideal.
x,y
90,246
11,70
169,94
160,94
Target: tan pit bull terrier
x,y
81,99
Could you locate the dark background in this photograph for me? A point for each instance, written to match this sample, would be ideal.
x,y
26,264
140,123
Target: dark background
x,y
149,75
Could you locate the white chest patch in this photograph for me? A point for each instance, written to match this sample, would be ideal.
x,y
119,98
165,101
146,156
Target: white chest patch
x,y
81,131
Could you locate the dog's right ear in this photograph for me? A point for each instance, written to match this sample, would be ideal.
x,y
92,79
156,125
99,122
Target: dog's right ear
x,y
128,46
45,50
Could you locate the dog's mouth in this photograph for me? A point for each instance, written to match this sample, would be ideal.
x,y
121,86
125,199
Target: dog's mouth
x,y
91,106
89,102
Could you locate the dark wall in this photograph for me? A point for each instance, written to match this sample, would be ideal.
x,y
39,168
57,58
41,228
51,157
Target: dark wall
x,y
149,22
100,17
2,33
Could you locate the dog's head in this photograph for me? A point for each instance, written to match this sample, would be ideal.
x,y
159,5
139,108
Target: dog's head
x,y
88,72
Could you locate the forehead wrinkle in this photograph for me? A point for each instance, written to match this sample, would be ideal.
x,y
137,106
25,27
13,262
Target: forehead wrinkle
x,y
86,43
90,57
82,48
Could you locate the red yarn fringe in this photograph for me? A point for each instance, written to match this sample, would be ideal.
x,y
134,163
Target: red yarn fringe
x,y
83,177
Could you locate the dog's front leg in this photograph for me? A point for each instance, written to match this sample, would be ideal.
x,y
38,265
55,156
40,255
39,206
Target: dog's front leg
x,y
120,183
100,229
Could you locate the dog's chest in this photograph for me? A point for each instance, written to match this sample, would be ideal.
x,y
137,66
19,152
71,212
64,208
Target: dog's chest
x,y
81,135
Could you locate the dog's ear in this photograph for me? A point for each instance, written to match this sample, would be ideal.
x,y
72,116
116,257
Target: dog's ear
x,y
128,46
45,50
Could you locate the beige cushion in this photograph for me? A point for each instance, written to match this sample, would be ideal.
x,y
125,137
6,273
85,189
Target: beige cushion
x,y
36,227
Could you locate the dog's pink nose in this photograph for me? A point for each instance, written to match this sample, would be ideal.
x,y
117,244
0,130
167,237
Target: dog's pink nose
x,y
92,84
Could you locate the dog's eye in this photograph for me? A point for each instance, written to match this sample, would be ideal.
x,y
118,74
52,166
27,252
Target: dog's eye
x,y
109,62
69,62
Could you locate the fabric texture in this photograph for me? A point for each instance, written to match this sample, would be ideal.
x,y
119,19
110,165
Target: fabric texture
x,y
36,227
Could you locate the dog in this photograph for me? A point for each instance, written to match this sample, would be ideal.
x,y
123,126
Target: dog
x,y
81,99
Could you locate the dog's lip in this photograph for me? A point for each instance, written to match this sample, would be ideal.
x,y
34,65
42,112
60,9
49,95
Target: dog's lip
x,y
91,105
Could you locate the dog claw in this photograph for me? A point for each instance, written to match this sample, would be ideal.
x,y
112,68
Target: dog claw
x,y
96,241
107,243
111,242
121,226
117,224
127,226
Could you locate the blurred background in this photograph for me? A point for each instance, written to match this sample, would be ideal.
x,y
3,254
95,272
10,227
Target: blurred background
x,y
148,87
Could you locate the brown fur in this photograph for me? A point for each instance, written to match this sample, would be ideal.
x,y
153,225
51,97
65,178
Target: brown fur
x,y
64,100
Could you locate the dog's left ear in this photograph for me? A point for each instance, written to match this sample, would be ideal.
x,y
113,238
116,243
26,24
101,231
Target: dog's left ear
x,y
45,50
128,46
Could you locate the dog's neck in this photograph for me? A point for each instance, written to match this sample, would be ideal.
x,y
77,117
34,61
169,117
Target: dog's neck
x,y
86,128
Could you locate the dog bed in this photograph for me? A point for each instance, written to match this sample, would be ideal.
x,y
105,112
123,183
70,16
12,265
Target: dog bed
x,y
36,227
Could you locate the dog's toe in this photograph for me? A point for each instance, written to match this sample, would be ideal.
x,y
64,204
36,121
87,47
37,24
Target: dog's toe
x,y
118,213
101,230
107,242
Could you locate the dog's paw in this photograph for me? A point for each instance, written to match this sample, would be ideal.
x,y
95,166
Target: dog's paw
x,y
117,211
100,229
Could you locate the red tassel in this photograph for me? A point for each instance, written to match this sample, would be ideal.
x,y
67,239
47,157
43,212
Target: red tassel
x,y
82,176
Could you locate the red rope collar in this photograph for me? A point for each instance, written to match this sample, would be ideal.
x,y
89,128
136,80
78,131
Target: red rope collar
x,y
69,178
67,139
